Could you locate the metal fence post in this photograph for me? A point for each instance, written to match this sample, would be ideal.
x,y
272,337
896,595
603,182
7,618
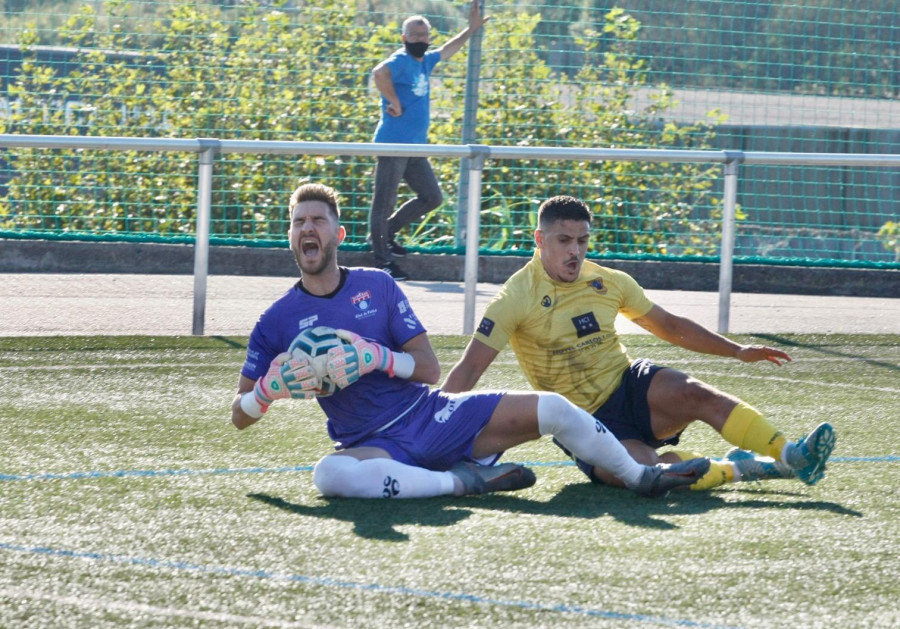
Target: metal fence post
x,y
201,246
469,124
726,260
473,229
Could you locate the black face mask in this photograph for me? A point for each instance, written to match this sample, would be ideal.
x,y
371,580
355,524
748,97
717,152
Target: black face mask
x,y
416,49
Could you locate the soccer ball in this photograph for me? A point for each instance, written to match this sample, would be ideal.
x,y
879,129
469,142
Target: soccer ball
x,y
316,342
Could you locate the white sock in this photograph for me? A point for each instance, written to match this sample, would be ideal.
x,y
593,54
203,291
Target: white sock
x,y
346,477
586,437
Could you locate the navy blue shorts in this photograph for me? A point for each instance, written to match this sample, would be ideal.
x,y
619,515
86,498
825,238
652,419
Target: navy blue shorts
x,y
627,413
439,431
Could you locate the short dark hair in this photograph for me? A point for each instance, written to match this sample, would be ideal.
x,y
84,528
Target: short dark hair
x,y
563,208
316,192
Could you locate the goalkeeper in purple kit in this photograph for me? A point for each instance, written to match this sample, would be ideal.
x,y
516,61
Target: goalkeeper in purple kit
x,y
396,436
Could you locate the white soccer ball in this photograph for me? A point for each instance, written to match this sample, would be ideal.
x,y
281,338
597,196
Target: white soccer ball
x,y
316,342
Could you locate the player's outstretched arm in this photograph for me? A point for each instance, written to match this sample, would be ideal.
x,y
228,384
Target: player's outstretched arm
x,y
756,353
689,334
466,373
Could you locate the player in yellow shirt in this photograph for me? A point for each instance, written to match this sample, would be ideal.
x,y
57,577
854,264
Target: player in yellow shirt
x,y
558,314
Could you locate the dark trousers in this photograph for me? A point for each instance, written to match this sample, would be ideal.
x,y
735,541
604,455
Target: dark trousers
x,y
389,172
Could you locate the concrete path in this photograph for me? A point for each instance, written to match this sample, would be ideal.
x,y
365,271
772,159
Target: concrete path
x,y
61,304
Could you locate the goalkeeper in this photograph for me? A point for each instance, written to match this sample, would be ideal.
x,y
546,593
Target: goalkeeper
x,y
558,314
395,436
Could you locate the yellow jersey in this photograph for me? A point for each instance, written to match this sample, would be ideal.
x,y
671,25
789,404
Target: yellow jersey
x,y
563,333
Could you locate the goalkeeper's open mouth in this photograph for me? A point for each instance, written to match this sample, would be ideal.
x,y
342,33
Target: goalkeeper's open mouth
x,y
310,248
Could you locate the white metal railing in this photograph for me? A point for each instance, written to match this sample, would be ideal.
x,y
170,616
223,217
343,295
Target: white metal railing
x,y
475,155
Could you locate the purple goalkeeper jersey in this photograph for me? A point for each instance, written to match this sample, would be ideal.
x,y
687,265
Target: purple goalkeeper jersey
x,y
368,302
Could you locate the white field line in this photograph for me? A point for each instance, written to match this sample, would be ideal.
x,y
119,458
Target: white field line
x,y
143,609
796,381
830,385
497,362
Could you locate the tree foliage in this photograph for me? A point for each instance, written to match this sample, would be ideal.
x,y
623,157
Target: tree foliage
x,y
280,75
827,47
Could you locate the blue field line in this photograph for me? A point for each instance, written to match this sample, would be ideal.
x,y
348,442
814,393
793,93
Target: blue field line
x,y
890,458
354,585
169,472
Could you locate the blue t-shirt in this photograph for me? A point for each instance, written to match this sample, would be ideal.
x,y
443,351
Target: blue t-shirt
x,y
410,77
368,302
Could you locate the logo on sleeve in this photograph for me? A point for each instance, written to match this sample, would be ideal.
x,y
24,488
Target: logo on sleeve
x,y
486,326
546,302
585,324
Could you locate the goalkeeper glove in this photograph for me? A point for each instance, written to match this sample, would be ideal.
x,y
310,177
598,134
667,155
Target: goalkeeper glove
x,y
355,358
289,376
300,376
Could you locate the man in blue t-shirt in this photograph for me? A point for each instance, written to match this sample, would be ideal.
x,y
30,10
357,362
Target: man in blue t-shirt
x,y
395,436
403,81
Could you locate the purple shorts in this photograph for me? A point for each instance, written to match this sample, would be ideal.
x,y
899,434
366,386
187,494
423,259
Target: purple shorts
x,y
439,430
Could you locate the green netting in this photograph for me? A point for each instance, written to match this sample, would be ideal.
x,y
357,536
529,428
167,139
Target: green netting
x,y
754,76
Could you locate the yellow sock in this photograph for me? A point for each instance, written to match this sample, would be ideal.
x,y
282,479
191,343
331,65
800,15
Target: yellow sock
x,y
749,430
720,472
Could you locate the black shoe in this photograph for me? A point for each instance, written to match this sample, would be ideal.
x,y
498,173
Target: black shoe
x,y
482,479
394,248
394,271
657,480
397,250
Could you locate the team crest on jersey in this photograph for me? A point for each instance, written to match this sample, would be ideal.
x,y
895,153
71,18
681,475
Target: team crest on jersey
x,y
486,326
585,324
361,300
546,302
598,286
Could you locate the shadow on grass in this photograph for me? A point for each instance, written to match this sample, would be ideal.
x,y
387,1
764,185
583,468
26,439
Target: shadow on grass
x,y
828,343
378,519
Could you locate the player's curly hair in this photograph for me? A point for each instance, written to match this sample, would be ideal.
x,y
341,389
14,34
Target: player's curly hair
x,y
316,192
563,208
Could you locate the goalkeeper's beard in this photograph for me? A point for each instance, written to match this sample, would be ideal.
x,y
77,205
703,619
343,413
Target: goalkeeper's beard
x,y
308,267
